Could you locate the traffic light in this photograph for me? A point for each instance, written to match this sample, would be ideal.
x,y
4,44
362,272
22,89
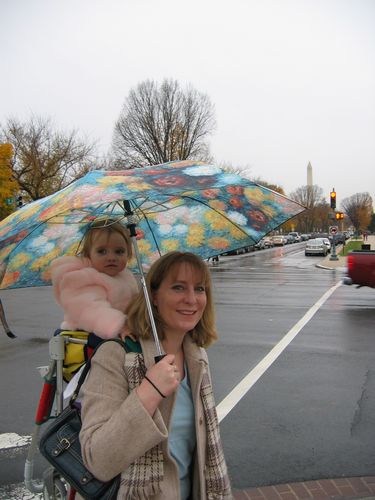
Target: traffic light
x,y
333,199
19,201
339,215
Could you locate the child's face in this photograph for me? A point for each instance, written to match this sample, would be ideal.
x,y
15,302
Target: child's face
x,y
108,254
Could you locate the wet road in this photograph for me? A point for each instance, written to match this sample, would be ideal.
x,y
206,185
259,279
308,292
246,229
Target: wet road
x,y
310,415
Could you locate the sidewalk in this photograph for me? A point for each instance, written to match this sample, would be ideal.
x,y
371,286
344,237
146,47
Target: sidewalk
x,y
326,263
322,489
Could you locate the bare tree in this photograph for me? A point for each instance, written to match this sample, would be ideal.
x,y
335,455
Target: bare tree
x,y
243,170
45,160
316,215
162,123
358,208
309,196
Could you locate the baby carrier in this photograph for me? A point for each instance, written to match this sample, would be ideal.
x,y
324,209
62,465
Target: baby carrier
x,y
69,351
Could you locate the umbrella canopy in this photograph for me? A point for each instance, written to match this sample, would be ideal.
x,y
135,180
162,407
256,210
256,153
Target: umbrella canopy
x,y
182,205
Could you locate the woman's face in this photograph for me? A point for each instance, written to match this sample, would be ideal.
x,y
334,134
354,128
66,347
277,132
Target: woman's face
x,y
181,299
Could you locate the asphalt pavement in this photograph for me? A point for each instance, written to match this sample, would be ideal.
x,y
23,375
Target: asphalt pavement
x,y
337,488
344,488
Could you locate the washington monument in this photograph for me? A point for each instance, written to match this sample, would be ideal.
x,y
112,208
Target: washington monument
x,y
309,175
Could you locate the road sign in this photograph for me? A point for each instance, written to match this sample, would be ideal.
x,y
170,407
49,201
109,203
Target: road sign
x,y
333,229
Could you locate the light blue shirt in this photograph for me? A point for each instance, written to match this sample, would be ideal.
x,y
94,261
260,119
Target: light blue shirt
x,y
182,438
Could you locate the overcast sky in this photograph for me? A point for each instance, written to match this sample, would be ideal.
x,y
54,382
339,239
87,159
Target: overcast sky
x,y
292,81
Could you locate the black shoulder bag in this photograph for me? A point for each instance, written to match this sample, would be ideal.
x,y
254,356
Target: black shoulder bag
x,y
61,447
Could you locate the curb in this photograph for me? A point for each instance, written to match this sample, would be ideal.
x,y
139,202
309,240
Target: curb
x,y
340,268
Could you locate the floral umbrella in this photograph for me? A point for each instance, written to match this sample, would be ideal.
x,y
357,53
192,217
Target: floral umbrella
x,y
178,205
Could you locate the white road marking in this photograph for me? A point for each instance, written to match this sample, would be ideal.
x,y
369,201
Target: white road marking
x,y
235,396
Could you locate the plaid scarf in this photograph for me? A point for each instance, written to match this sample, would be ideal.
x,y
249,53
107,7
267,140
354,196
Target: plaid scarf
x,y
144,476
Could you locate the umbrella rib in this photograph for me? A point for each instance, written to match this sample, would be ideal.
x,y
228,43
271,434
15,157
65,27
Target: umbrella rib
x,y
138,208
155,204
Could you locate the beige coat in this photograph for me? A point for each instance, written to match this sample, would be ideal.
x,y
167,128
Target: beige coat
x,y
117,429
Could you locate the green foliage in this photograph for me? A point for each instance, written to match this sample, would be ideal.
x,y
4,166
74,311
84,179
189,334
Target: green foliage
x,y
351,245
371,226
8,185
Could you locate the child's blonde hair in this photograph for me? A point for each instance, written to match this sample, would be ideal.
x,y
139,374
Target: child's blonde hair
x,y
110,226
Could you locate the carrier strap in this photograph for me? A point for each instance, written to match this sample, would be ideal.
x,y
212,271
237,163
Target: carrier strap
x,y
129,345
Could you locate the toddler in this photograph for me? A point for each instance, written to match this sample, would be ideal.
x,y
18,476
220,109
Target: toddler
x,y
95,288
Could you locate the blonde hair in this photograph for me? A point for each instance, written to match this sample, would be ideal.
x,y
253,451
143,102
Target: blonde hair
x,y
110,226
138,320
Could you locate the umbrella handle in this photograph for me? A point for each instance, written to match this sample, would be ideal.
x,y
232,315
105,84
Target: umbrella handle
x,y
131,226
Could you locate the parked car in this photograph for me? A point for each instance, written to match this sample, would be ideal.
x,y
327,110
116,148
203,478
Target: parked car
x,y
320,235
339,239
279,240
296,236
316,246
265,242
289,239
240,251
327,243
305,236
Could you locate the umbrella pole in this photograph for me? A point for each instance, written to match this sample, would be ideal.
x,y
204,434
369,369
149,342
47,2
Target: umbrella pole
x,y
131,226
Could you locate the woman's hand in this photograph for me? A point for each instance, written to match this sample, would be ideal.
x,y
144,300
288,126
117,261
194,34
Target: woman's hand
x,y
165,375
164,378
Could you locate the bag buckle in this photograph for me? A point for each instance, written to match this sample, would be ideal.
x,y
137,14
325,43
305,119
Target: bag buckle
x,y
63,445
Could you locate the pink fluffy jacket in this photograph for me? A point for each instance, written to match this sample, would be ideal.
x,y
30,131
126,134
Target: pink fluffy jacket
x,y
91,300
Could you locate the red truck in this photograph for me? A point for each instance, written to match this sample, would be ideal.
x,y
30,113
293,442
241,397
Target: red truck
x,y
361,268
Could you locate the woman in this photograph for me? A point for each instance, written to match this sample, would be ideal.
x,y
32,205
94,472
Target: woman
x,y
156,424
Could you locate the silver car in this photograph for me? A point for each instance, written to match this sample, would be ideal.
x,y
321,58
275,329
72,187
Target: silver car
x,y
278,240
265,242
316,246
327,243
